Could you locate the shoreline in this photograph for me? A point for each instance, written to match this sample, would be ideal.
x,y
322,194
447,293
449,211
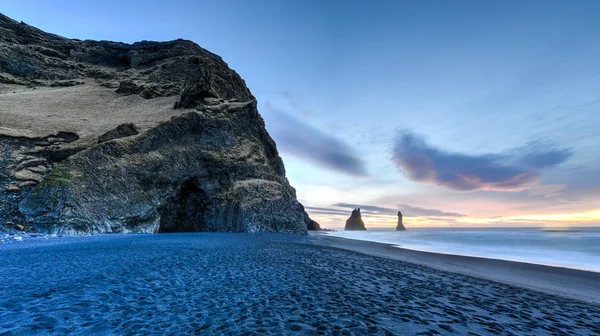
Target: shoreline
x,y
564,282
581,285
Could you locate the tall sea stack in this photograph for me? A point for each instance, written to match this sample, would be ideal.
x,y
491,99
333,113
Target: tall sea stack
x,y
355,221
400,226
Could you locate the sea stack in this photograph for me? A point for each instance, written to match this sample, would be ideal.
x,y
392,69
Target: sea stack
x,y
355,221
400,226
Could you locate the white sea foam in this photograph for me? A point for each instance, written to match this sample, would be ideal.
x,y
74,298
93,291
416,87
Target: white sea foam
x,y
578,248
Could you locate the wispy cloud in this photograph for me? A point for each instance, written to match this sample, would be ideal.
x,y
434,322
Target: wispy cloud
x,y
548,190
410,211
570,200
326,211
301,139
407,210
539,155
297,104
368,208
515,171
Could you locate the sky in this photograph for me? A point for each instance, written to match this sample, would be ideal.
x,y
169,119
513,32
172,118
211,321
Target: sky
x,y
457,113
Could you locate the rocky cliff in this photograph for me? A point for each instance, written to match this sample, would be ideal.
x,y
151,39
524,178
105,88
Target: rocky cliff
x,y
355,221
99,137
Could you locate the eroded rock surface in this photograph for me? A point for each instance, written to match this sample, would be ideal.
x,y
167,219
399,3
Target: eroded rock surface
x,y
100,136
311,224
123,130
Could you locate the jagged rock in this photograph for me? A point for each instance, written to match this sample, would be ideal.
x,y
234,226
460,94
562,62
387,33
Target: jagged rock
x,y
110,85
211,101
67,136
66,83
27,184
27,175
313,226
8,79
19,227
12,188
201,159
400,226
31,162
204,79
121,131
128,87
40,169
310,224
355,221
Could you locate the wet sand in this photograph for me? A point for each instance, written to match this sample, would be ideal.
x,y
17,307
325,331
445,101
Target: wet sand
x,y
564,282
257,284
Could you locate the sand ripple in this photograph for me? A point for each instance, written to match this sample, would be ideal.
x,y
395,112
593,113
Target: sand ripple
x,y
244,284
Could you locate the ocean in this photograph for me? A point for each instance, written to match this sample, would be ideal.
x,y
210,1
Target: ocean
x,y
578,248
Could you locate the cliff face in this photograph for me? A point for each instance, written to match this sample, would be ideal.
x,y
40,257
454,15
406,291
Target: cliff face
x,y
100,136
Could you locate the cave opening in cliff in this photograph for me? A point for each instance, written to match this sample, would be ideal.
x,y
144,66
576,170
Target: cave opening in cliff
x,y
185,212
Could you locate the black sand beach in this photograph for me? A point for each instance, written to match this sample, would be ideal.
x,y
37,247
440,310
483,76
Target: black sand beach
x,y
244,284
569,283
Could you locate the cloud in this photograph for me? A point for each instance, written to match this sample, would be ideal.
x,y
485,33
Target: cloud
x,y
515,171
297,104
326,211
442,219
410,211
407,210
548,190
538,155
298,138
368,208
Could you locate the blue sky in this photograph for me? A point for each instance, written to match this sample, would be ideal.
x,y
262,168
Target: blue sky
x,y
484,110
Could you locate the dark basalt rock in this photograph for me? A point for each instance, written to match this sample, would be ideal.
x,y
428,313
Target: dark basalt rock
x,y
177,67
123,130
355,221
129,87
400,226
147,91
66,83
210,166
310,224
313,225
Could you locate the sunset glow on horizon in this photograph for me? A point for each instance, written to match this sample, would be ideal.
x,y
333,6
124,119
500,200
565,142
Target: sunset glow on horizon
x,y
379,221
